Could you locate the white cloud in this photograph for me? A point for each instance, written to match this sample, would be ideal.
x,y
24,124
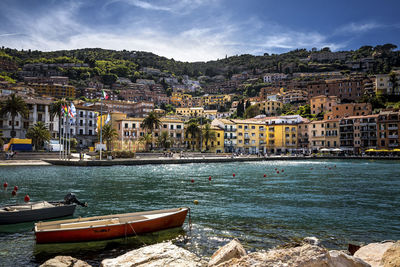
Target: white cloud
x,y
353,28
60,29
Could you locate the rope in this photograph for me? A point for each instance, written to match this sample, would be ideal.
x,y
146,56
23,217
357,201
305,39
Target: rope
x,y
134,233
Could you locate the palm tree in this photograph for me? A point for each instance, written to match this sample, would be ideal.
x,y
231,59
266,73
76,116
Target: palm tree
x,y
194,131
164,140
151,122
146,139
208,134
108,134
55,109
14,106
39,134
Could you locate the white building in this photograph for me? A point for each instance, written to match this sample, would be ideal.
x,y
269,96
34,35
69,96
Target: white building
x,y
272,77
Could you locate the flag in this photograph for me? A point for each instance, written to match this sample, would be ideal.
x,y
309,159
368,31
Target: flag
x,y
65,110
104,94
108,119
72,110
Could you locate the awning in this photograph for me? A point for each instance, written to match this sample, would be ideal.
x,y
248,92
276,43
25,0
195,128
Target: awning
x,y
325,150
337,150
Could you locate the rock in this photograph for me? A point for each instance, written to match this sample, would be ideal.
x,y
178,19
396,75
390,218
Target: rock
x,y
341,259
373,253
312,240
65,261
391,257
162,254
231,250
306,255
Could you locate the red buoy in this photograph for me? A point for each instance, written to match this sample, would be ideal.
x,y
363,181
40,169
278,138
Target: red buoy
x,y
283,170
311,168
265,175
277,171
192,180
5,185
27,198
209,178
329,168
14,193
16,188
233,175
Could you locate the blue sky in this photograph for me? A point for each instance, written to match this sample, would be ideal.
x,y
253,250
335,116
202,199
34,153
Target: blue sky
x,y
198,30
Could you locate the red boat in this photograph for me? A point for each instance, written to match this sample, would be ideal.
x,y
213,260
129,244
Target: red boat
x,y
109,226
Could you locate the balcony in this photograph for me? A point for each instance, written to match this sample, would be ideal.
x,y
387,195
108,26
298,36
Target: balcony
x,y
393,128
393,145
393,136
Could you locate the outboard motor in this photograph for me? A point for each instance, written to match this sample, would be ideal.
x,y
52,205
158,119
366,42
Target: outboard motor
x,y
70,198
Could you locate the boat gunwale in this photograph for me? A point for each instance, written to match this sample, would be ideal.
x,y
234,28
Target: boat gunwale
x,y
176,211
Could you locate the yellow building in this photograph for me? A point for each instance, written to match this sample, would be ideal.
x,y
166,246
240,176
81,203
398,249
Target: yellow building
x,y
190,112
270,108
177,98
216,99
281,138
217,145
251,136
54,90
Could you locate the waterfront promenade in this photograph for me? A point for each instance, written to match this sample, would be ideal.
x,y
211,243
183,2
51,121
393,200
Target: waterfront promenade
x,y
146,159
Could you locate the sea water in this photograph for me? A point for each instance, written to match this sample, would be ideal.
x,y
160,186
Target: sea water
x,y
338,201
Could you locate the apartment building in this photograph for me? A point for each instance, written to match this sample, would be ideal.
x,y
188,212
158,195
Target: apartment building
x,y
216,100
345,89
323,103
270,108
348,109
272,77
39,110
384,86
190,112
84,126
388,130
54,90
251,136
230,133
324,134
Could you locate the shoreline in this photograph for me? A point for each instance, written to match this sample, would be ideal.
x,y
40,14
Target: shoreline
x,y
161,160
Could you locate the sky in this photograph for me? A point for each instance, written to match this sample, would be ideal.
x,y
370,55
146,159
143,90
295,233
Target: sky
x,y
198,30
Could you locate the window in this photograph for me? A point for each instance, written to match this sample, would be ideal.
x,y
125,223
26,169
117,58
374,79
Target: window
x,y
178,127
90,132
253,127
165,126
80,131
171,127
126,125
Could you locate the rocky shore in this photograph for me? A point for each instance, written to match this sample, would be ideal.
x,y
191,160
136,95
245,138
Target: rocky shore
x,y
310,253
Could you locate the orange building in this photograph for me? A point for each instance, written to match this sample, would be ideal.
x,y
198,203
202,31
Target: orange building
x,y
348,109
323,103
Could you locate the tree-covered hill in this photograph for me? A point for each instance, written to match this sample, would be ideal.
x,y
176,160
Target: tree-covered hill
x,y
110,64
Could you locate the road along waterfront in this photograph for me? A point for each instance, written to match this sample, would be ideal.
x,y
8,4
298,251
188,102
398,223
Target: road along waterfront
x,y
338,201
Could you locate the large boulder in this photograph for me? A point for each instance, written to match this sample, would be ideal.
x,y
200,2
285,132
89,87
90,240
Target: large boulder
x,y
341,259
162,254
391,257
231,250
373,253
65,261
306,255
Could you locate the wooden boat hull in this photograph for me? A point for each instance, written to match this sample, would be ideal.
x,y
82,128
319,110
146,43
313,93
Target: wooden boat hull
x,y
91,231
12,217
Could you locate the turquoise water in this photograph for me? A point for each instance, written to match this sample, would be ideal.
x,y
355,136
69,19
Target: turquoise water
x,y
338,201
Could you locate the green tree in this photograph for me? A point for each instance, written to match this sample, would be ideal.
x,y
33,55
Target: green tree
x,y
151,122
146,139
39,134
108,134
251,111
208,134
194,132
14,106
165,140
